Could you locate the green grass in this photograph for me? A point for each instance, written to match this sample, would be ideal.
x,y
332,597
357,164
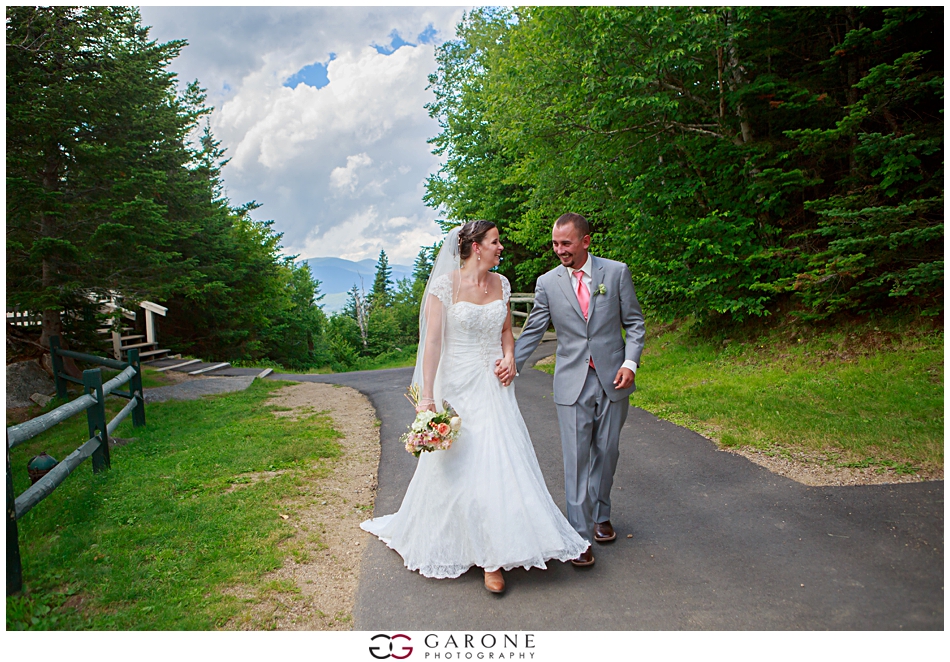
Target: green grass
x,y
156,541
404,359
861,396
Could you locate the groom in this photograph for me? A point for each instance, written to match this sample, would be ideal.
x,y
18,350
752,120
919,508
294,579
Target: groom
x,y
590,300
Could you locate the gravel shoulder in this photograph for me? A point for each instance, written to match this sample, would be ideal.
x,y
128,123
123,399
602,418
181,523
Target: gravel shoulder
x,y
814,470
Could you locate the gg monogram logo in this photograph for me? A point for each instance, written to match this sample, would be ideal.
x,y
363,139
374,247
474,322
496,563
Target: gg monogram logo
x,y
385,651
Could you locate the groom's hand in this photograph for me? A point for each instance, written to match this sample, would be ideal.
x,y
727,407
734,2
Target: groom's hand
x,y
624,378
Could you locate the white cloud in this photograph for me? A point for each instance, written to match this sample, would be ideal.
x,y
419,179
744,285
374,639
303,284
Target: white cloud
x,y
347,177
365,233
340,169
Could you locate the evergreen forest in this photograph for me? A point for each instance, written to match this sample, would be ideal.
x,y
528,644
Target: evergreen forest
x,y
742,161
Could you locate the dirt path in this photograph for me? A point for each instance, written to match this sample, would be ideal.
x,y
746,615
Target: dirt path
x,y
315,588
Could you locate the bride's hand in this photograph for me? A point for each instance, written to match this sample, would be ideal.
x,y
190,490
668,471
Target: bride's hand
x,y
425,404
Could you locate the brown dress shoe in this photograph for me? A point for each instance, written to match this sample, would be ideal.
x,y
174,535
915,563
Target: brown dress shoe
x,y
494,581
604,532
586,559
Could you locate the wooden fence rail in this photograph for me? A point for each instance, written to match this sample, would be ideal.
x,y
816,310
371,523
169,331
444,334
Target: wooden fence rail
x,y
521,298
96,447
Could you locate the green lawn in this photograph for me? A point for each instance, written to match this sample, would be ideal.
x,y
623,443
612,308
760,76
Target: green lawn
x,y
862,396
154,542
404,359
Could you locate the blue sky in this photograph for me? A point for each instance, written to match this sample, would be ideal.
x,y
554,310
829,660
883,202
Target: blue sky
x,y
315,75
321,111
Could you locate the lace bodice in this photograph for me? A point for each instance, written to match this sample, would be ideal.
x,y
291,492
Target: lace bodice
x,y
442,288
472,330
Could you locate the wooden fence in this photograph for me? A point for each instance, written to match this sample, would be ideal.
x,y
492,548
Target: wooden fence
x,y
525,298
96,447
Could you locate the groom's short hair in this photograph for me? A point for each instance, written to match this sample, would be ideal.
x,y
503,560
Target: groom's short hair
x,y
579,222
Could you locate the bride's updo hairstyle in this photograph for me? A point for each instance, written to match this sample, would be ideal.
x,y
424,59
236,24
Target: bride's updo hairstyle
x,y
473,231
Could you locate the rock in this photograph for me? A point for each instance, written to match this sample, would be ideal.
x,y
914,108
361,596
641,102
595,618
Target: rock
x,y
23,380
40,399
46,363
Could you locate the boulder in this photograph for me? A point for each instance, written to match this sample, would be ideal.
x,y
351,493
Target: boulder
x,y
23,380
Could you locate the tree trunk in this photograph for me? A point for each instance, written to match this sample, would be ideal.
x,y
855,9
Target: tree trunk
x,y
736,81
52,314
852,92
722,92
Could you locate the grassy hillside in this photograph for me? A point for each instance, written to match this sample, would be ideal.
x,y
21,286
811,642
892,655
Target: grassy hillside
x,y
861,395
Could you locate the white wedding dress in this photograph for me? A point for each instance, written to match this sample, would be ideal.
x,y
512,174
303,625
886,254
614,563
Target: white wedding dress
x,y
482,502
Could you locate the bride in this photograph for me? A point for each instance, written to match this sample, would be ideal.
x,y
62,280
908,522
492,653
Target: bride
x,y
483,501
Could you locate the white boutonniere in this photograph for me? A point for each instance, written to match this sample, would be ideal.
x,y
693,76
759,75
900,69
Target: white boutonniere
x,y
600,290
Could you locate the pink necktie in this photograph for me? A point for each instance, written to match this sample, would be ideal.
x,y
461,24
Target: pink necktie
x,y
583,294
583,298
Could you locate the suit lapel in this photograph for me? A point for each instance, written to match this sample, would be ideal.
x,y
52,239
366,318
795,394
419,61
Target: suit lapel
x,y
596,280
564,278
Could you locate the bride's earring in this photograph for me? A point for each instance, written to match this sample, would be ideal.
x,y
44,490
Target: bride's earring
x,y
479,257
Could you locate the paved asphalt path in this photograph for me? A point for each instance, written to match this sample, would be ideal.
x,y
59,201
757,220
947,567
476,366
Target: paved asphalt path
x,y
197,388
718,543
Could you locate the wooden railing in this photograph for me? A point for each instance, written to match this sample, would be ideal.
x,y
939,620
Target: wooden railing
x,y
96,447
525,298
109,307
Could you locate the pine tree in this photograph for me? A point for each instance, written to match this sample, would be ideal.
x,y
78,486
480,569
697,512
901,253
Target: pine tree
x,y
97,157
381,295
421,269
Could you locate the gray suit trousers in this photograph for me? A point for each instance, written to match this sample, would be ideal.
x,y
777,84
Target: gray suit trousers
x,y
590,439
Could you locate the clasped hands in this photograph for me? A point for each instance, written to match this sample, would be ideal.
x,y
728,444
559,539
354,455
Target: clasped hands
x,y
505,371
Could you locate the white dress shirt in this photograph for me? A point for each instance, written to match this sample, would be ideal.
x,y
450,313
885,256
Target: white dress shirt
x,y
586,277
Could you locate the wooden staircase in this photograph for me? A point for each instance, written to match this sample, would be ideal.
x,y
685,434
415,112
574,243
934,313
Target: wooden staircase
x,y
124,338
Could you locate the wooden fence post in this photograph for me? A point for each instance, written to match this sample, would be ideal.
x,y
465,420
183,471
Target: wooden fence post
x,y
135,389
57,360
14,568
96,417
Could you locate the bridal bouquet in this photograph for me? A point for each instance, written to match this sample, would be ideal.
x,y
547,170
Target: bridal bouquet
x,y
432,430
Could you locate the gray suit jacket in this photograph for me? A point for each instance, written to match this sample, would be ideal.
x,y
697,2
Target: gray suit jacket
x,y
599,337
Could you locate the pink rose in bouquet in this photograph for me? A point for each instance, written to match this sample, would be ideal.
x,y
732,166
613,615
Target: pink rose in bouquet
x,y
430,431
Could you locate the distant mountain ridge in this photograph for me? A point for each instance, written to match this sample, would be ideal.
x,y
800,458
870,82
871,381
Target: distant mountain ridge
x,y
337,276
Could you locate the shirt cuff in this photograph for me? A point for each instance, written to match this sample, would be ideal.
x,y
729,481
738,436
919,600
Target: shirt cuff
x,y
630,364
